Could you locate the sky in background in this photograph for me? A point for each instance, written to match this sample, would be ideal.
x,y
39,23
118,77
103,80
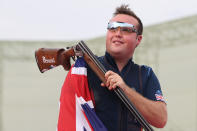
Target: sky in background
x,y
79,19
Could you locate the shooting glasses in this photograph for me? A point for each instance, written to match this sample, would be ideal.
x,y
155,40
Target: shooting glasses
x,y
125,28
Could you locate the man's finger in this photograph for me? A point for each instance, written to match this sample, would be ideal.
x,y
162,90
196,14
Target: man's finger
x,y
108,73
103,85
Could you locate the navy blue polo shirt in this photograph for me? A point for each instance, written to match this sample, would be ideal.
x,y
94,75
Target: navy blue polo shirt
x,y
108,107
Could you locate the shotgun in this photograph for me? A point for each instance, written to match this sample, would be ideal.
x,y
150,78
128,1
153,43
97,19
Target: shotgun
x,y
49,58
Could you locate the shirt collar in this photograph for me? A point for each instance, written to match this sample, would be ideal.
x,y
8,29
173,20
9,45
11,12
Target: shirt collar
x,y
112,62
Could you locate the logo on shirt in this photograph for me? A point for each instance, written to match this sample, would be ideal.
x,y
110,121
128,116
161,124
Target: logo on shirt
x,y
159,96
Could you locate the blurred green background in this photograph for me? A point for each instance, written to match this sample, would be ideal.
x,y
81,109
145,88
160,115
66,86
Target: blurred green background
x,y
29,99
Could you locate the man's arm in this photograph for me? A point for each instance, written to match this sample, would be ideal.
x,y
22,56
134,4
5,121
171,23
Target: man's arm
x,y
155,112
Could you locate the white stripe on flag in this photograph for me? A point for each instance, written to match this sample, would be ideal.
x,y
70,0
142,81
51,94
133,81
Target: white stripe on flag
x,y
79,71
80,100
81,121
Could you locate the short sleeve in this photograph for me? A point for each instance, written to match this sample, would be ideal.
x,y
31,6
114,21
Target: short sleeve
x,y
152,88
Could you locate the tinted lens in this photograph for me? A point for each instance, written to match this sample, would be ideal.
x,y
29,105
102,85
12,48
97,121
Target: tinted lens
x,y
112,29
124,27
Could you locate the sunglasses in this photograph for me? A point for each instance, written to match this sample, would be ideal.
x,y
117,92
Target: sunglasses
x,y
124,27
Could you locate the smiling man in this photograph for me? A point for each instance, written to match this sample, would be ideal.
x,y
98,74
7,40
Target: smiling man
x,y
139,83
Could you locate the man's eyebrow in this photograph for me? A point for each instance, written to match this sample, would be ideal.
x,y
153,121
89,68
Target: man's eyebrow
x,y
120,22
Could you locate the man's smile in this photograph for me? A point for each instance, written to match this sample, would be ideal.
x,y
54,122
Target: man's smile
x,y
117,42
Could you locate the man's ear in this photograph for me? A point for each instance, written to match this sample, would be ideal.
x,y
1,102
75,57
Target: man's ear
x,y
138,40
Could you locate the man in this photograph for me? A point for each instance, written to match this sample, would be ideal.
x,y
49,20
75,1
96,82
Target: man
x,y
139,83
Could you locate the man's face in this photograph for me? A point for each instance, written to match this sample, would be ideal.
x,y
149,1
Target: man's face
x,y
119,44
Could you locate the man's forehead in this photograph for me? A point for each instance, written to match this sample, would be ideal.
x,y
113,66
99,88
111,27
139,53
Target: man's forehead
x,y
124,18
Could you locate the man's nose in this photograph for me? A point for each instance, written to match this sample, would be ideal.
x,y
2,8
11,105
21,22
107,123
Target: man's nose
x,y
118,32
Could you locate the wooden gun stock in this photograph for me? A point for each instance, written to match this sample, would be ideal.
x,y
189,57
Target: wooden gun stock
x,y
48,58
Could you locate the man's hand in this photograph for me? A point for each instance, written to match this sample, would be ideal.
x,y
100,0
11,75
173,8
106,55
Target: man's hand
x,y
113,80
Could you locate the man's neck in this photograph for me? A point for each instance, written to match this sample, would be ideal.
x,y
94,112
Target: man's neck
x,y
121,63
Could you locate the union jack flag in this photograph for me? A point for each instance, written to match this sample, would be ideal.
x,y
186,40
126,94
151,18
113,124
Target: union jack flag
x,y
76,106
159,96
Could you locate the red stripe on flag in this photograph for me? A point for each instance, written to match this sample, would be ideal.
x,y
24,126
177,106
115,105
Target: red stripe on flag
x,y
67,113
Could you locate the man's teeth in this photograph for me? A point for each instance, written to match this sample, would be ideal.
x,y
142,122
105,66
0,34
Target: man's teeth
x,y
117,42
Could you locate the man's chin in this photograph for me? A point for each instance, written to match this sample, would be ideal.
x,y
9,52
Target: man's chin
x,y
115,53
